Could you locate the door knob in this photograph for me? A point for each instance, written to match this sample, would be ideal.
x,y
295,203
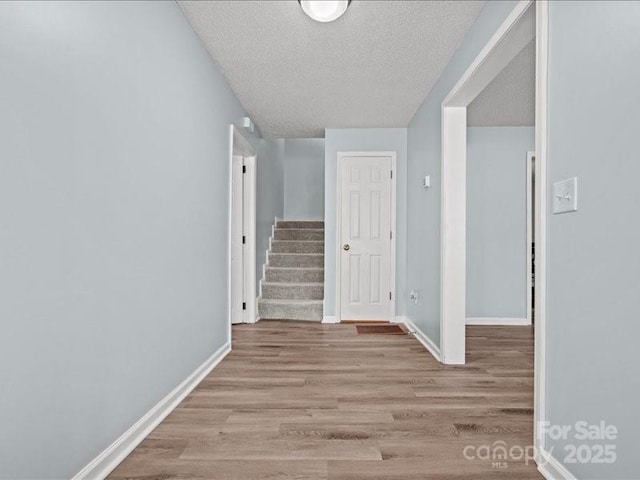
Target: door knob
x,y
346,246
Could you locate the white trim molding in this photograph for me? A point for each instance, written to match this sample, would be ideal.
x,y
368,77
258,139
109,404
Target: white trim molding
x,y
114,454
497,321
240,146
529,256
421,336
552,469
249,229
263,279
330,319
542,59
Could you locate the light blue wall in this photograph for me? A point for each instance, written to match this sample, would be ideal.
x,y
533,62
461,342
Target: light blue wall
x,y
114,187
423,158
362,140
593,289
270,195
304,179
497,220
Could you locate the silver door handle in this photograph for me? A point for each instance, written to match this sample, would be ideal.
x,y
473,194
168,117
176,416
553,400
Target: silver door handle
x,y
346,246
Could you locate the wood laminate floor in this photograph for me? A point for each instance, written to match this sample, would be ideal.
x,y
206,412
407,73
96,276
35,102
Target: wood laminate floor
x,y
301,400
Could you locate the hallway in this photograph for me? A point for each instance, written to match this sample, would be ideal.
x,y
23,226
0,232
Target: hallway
x,y
314,401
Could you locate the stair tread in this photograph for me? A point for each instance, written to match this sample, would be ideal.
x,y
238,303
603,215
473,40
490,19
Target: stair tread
x,y
277,240
294,284
299,226
297,253
296,301
295,268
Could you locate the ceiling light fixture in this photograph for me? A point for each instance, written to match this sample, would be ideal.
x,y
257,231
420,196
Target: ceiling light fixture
x,y
324,10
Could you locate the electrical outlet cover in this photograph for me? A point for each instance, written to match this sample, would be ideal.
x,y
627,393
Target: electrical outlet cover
x,y
565,196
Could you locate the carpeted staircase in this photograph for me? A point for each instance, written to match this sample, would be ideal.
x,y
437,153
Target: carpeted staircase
x,y
293,283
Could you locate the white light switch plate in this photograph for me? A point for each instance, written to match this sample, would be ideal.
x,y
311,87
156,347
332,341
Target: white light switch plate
x,y
565,196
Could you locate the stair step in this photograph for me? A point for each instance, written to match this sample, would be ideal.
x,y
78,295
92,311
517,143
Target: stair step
x,y
297,246
290,309
299,260
299,224
298,290
293,283
288,274
299,234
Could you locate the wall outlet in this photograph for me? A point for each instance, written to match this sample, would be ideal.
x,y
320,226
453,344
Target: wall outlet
x,y
565,196
414,296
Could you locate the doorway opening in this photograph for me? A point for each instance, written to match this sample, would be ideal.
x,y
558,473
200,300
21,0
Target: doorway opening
x,y
242,230
526,22
517,31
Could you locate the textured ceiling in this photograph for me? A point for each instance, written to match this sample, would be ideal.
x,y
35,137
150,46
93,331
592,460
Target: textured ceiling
x,y
510,99
373,67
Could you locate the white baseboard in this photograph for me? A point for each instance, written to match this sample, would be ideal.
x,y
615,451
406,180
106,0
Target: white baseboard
x,y
422,338
552,469
114,454
497,321
330,319
266,261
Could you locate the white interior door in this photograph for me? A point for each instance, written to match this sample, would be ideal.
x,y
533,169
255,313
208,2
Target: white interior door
x,y
237,247
365,237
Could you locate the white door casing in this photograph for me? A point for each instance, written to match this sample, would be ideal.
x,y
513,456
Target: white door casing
x,y
242,229
237,247
365,225
530,232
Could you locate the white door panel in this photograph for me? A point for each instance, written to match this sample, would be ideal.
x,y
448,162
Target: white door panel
x,y
237,250
365,221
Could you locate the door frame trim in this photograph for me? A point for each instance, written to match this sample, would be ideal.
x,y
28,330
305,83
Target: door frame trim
x,y
239,145
529,283
541,191
338,245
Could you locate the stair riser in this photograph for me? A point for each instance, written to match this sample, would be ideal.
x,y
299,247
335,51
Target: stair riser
x,y
295,224
297,247
290,312
295,275
300,292
301,234
296,261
